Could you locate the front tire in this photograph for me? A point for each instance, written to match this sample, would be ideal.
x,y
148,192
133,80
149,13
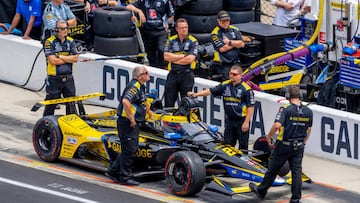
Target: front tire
x,y
47,138
185,173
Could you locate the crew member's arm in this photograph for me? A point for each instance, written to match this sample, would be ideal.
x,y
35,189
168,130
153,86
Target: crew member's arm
x,y
129,113
246,124
69,58
230,44
142,17
149,113
72,22
250,102
29,28
14,23
307,135
60,59
180,59
205,92
274,128
282,4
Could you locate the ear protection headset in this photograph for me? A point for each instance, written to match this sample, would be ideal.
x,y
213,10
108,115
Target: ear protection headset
x,y
287,93
56,29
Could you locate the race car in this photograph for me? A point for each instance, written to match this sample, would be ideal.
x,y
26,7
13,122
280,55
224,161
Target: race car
x,y
173,142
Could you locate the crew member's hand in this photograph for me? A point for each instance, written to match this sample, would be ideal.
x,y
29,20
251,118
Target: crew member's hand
x,y
269,141
289,6
132,122
245,126
142,17
226,40
87,7
26,37
191,94
149,114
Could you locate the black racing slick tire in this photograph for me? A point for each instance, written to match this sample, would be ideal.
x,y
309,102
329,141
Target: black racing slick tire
x,y
185,173
203,7
118,46
113,23
200,24
47,138
238,5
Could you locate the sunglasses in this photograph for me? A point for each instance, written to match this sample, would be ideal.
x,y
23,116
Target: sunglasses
x,y
234,74
146,73
63,28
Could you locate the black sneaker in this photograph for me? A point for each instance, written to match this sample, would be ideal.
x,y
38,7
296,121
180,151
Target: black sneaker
x,y
112,176
255,190
130,182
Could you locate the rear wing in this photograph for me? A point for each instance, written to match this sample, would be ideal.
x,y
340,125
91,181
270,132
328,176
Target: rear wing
x,y
68,100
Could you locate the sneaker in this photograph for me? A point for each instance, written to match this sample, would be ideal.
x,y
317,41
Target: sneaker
x,y
255,190
130,182
112,177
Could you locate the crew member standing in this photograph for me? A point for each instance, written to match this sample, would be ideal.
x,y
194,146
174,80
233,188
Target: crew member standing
x,y
155,16
238,99
293,121
180,51
61,53
227,41
132,110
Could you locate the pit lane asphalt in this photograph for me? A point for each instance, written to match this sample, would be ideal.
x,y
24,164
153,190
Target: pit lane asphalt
x,y
20,165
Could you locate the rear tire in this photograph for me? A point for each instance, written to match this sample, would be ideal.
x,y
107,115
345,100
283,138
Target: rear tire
x,y
47,138
185,173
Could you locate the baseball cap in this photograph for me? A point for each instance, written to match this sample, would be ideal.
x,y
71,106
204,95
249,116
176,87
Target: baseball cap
x,y
223,15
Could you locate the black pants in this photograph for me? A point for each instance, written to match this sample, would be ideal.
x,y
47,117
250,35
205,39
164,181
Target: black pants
x,y
129,144
57,85
154,42
233,133
278,157
176,82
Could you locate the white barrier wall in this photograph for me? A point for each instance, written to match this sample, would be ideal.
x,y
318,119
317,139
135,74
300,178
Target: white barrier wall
x,y
22,62
335,133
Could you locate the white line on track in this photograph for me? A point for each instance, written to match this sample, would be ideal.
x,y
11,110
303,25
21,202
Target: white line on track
x,y
44,190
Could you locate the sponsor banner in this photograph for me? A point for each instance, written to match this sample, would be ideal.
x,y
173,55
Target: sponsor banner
x,y
335,133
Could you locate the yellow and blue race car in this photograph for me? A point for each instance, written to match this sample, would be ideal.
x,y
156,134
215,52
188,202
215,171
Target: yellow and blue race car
x,y
173,142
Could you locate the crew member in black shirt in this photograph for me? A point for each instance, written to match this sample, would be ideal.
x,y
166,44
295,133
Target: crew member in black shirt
x,y
180,51
294,122
155,16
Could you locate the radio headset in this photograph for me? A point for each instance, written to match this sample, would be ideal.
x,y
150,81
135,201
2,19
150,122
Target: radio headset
x,y
56,29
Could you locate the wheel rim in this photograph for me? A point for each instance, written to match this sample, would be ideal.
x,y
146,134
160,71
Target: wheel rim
x,y
45,140
180,174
